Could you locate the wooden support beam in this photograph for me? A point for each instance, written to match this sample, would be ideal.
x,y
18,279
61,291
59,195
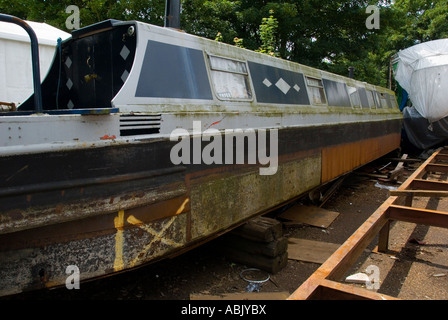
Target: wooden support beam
x,y
420,193
436,167
331,190
407,160
330,290
383,238
398,169
341,260
349,252
442,156
321,284
419,216
419,173
373,175
422,184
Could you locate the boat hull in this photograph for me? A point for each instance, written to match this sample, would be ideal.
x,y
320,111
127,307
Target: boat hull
x,y
116,207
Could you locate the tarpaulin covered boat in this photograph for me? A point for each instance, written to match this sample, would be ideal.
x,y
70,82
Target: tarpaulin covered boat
x,y
422,71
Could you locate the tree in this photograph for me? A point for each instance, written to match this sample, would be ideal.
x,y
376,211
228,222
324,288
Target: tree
x,y
91,11
420,21
325,34
208,18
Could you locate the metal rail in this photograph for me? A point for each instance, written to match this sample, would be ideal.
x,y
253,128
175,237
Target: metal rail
x,y
323,283
34,58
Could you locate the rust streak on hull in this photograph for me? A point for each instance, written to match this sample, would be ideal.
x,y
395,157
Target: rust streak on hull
x,y
341,159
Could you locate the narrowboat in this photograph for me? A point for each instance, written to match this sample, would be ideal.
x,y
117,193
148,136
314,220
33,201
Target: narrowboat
x,y
144,141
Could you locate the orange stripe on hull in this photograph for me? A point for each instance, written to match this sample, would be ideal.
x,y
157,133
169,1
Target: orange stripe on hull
x,y
341,159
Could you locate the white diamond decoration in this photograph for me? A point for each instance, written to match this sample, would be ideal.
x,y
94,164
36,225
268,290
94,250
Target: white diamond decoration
x,y
70,104
297,88
68,62
124,52
267,83
283,86
69,84
124,76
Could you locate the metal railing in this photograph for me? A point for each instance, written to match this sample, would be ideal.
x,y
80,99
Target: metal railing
x,y
34,58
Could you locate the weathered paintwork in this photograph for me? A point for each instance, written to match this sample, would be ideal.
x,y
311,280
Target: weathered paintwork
x,y
167,218
90,182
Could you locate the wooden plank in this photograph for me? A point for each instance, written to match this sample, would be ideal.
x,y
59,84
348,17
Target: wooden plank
x,y
383,238
408,160
271,265
310,250
260,229
308,289
419,173
420,193
341,260
310,215
331,191
433,167
419,216
330,290
442,156
373,175
423,184
318,284
398,169
231,242
242,296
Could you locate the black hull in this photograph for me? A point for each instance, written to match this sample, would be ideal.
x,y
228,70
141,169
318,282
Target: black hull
x,y
113,208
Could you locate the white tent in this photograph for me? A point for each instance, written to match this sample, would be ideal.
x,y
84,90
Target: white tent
x,y
422,71
16,76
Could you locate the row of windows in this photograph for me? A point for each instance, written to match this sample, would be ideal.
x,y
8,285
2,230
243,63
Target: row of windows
x,y
362,98
231,82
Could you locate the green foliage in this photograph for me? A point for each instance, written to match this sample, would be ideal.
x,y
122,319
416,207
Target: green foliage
x,y
238,42
208,18
218,37
268,30
420,21
330,35
91,11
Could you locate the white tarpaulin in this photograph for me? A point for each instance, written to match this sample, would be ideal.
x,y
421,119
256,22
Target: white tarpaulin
x,y
16,76
422,71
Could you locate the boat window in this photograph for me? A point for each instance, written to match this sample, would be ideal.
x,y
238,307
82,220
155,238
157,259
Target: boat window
x,y
383,100
230,79
371,99
377,99
362,92
336,93
316,91
354,97
391,101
